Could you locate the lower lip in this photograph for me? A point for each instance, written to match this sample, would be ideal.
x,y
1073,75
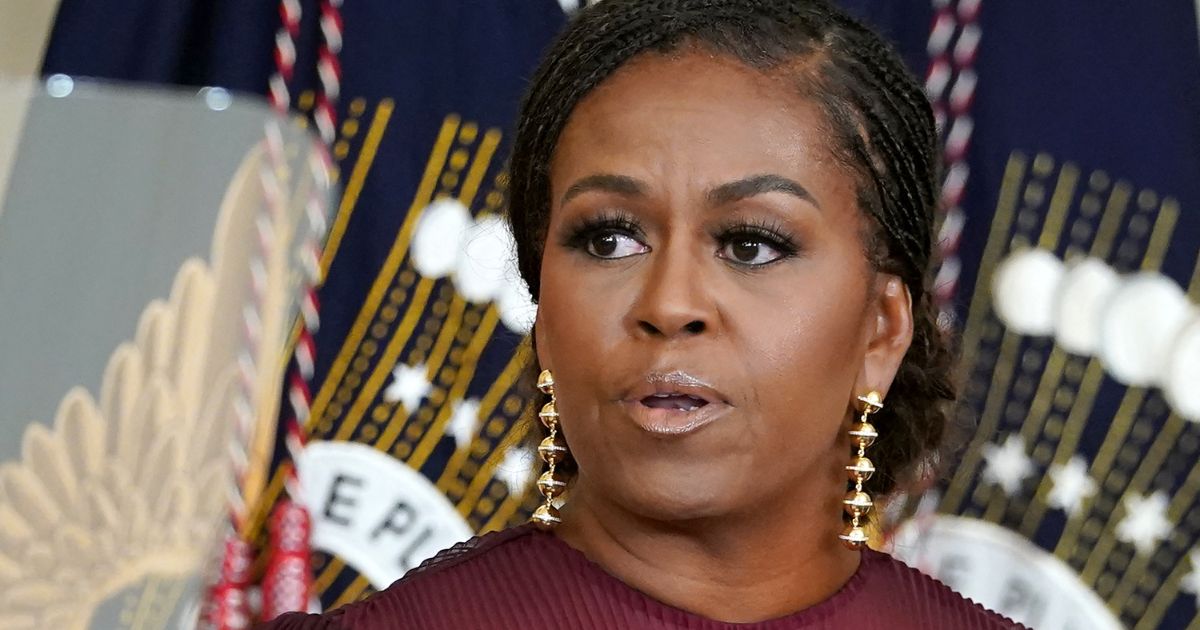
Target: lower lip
x,y
674,422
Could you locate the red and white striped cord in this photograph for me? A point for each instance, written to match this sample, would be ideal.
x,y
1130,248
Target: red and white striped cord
x,y
285,55
329,75
329,70
288,581
299,393
228,607
950,84
287,584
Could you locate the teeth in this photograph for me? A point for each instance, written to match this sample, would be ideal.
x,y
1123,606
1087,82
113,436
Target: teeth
x,y
676,401
675,395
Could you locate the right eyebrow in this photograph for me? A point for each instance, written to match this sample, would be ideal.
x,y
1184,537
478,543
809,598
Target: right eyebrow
x,y
605,182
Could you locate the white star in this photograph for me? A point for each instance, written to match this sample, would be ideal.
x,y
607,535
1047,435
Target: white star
x,y
464,421
1145,523
1072,485
409,386
1191,582
1007,465
517,469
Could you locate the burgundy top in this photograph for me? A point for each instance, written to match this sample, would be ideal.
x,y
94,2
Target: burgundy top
x,y
521,578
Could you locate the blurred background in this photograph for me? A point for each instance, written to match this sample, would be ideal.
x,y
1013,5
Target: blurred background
x,y
261,338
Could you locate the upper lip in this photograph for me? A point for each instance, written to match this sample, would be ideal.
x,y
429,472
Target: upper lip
x,y
675,382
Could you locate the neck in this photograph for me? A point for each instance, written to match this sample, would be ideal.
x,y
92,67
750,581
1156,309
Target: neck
x,y
770,563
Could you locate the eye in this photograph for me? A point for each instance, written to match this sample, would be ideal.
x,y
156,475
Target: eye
x,y
611,244
755,243
751,251
610,235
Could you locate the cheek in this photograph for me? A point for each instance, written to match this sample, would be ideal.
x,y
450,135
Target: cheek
x,y
808,355
574,315
577,323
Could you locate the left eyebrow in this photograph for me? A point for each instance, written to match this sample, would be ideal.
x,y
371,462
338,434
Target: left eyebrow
x,y
757,185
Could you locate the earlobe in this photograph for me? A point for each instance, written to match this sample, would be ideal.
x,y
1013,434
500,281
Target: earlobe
x,y
890,338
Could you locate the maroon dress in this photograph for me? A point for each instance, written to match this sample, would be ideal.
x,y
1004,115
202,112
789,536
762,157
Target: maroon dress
x,y
521,578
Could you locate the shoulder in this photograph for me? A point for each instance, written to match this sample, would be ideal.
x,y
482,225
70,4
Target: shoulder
x,y
302,621
478,553
931,604
485,573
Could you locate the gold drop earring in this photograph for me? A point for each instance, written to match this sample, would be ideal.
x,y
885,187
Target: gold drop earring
x,y
857,502
552,450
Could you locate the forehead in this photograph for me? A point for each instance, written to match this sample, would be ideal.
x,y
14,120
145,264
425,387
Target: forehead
x,y
698,111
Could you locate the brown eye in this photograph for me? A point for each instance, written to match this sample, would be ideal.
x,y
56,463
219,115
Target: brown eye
x,y
750,251
745,251
614,245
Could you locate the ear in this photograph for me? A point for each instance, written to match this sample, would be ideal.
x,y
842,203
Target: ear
x,y
889,330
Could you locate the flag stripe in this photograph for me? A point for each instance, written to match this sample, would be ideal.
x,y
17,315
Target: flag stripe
x,y
383,369
1060,202
358,176
391,266
1077,419
503,383
1121,423
435,433
1160,238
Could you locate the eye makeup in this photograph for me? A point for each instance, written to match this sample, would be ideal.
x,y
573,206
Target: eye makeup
x,y
761,231
612,234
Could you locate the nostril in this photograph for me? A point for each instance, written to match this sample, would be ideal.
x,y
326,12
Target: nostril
x,y
693,327
648,327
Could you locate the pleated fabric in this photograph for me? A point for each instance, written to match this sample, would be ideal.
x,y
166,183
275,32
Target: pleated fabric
x,y
522,578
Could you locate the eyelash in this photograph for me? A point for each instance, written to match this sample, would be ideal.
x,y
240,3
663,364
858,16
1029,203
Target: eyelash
x,y
608,221
768,232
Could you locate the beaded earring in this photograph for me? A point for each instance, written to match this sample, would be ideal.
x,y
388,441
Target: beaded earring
x,y
552,450
857,502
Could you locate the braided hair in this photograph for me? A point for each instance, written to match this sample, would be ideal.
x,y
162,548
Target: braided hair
x,y
883,134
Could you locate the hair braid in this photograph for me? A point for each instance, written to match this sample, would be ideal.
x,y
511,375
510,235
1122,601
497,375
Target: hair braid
x,y
911,216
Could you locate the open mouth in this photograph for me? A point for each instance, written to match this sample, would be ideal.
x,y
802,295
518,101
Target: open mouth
x,y
673,403
677,402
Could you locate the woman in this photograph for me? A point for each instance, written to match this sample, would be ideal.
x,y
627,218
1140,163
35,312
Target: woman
x,y
725,210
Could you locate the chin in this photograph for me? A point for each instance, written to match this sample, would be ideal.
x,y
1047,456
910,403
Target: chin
x,y
678,495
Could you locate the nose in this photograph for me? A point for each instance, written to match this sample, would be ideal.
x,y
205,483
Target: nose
x,y
674,300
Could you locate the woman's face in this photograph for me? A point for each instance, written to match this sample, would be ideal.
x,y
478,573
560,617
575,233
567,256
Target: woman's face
x,y
706,305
